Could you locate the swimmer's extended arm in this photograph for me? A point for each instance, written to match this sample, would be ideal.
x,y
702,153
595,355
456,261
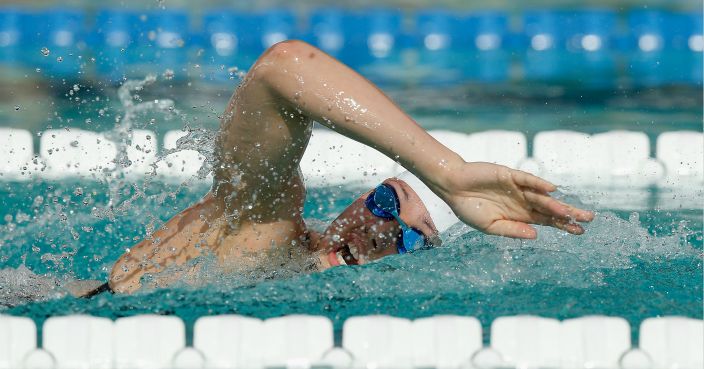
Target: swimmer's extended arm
x,y
492,198
258,194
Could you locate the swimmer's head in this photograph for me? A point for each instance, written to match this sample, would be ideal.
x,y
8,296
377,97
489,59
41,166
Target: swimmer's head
x,y
358,236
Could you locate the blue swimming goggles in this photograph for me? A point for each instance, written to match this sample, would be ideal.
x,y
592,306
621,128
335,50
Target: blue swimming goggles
x,y
383,202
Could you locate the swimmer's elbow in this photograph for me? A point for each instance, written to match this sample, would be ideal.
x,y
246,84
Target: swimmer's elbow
x,y
289,50
284,55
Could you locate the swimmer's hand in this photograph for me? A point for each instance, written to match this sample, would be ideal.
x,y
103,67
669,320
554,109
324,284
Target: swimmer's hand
x,y
502,201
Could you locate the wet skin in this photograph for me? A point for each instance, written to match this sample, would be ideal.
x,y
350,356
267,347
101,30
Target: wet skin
x,y
257,195
357,236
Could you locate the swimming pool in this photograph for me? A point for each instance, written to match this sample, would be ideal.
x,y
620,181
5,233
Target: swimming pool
x,y
641,257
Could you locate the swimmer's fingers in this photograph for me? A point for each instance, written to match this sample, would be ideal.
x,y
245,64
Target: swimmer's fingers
x,y
514,229
535,183
565,225
510,228
553,208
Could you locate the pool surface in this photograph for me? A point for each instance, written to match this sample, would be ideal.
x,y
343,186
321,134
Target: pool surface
x,y
633,264
641,257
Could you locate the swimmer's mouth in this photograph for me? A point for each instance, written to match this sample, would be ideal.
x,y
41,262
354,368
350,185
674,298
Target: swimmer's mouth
x,y
343,256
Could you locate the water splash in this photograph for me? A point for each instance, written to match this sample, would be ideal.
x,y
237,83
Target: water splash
x,y
21,285
197,139
49,234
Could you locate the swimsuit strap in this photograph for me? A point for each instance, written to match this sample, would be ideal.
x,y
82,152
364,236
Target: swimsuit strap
x,y
105,287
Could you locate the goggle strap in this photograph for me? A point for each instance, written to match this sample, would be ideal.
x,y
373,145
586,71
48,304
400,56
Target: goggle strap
x,y
401,222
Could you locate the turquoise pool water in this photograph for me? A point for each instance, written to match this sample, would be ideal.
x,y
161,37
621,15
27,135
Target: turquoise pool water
x,y
630,264
641,261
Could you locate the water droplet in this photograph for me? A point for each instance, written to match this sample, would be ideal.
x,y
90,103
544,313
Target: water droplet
x,y
17,107
168,74
59,59
45,51
634,217
38,201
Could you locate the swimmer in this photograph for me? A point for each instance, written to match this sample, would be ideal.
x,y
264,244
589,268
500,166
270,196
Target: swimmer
x,y
257,196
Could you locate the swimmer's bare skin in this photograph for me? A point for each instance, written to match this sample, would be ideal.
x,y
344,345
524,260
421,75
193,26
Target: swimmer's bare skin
x,y
258,193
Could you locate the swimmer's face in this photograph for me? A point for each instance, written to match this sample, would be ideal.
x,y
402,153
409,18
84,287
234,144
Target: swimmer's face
x,y
357,236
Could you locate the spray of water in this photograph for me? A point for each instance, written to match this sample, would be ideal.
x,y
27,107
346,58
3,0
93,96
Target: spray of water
x,y
196,138
468,259
56,214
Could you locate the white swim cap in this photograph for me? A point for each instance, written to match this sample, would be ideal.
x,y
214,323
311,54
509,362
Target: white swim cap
x,y
442,215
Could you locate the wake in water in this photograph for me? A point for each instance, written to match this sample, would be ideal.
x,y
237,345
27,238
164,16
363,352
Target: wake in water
x,y
467,259
21,285
619,269
77,234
